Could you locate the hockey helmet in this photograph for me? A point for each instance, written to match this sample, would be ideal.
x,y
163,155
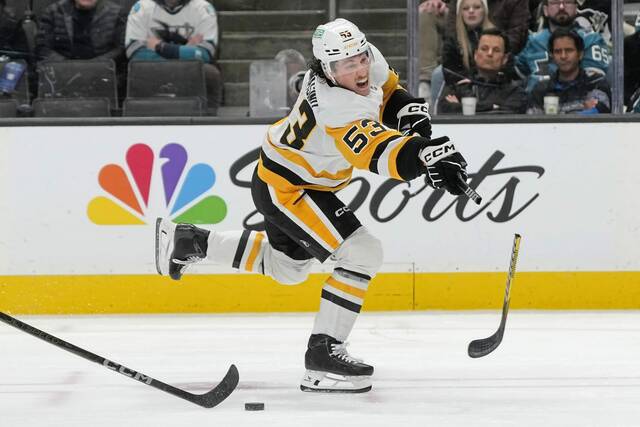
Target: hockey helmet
x,y
336,41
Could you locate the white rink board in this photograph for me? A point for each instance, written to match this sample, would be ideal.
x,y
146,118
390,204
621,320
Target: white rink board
x,y
583,217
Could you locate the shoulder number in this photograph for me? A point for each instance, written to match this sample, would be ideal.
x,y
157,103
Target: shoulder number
x,y
359,135
295,135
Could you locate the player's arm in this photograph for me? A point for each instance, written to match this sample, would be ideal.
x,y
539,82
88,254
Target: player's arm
x,y
402,111
369,145
206,33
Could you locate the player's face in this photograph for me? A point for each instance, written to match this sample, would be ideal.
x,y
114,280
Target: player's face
x,y
490,55
353,73
566,55
472,13
561,12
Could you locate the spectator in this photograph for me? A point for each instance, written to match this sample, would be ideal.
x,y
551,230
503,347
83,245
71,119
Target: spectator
x,y
8,30
533,62
577,92
457,56
632,68
81,29
177,29
433,15
510,16
494,90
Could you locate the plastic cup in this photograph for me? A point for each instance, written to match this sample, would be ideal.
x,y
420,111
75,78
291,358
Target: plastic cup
x,y
551,103
469,106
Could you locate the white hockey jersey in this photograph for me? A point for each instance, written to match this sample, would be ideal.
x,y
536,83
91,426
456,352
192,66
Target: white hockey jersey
x,y
329,131
147,18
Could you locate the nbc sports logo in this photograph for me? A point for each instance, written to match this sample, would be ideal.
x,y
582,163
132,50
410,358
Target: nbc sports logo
x,y
185,189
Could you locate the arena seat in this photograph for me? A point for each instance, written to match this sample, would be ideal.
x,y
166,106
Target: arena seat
x,y
71,107
168,79
77,79
8,107
162,107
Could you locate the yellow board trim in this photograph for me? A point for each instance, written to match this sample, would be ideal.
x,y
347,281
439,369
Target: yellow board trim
x,y
228,293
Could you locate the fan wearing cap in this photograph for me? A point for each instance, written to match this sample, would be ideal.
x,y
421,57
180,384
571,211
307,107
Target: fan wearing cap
x,y
351,112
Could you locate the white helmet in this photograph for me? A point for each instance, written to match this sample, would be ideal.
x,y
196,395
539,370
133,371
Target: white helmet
x,y
338,40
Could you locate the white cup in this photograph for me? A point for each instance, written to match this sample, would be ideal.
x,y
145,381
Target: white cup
x,y
551,103
469,106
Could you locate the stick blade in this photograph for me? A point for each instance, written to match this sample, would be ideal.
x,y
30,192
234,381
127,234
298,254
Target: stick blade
x,y
482,347
220,392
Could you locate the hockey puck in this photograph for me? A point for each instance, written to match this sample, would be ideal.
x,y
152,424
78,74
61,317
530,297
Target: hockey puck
x,y
254,406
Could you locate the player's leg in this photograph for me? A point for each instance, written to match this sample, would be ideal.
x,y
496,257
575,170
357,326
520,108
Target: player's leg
x,y
276,255
325,227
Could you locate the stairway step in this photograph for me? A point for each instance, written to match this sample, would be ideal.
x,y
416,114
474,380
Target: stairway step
x,y
272,20
254,5
237,70
381,19
371,4
267,45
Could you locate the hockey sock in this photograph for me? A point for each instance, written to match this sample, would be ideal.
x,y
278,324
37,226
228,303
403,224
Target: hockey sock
x,y
243,250
342,298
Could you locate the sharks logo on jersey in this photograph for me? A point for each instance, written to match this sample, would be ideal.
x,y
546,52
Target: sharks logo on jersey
x,y
178,34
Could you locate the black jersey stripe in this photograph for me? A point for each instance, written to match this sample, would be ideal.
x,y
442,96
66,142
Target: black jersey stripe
x,y
241,248
373,164
341,301
278,169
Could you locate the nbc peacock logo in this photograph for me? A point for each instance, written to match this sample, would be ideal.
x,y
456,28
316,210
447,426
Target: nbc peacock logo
x,y
186,192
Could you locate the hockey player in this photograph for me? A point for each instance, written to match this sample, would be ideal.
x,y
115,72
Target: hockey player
x,y
351,112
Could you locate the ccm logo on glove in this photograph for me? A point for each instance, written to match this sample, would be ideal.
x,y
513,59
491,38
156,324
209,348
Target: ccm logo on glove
x,y
431,155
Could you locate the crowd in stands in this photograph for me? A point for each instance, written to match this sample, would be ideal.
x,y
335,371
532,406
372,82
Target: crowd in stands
x,y
515,55
510,55
104,31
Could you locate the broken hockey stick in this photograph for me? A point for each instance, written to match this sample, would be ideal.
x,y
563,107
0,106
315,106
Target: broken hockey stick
x,y
468,191
206,400
482,347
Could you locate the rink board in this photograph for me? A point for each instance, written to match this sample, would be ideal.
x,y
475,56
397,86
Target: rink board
x,y
78,206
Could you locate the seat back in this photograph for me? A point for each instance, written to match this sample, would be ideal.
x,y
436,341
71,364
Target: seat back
x,y
8,108
170,79
78,79
71,107
162,107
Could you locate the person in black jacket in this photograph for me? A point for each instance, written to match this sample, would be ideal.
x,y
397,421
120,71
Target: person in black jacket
x,y
81,29
577,91
8,30
494,90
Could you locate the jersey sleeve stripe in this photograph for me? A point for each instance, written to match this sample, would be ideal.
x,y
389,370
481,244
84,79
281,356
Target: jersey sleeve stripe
x,y
373,166
387,161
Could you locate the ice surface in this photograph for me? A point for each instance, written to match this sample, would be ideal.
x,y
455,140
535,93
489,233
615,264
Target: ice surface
x,y
552,369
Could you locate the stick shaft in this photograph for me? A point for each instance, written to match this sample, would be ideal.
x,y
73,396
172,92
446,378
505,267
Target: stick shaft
x,y
85,354
468,191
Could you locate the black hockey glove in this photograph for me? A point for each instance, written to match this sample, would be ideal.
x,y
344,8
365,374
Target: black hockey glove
x,y
414,118
444,163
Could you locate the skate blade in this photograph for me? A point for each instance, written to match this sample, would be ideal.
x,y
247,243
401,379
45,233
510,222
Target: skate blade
x,y
323,382
164,245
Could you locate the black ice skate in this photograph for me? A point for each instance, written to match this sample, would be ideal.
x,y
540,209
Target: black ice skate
x,y
331,369
178,246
